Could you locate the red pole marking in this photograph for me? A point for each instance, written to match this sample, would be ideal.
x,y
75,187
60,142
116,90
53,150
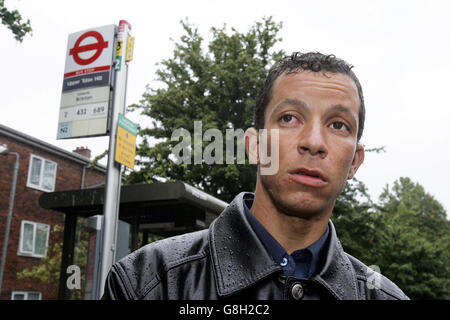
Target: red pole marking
x,y
98,46
122,24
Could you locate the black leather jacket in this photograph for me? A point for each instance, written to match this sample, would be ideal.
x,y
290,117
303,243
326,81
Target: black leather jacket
x,y
228,261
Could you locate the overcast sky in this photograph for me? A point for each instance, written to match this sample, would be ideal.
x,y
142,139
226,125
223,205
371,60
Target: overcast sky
x,y
400,50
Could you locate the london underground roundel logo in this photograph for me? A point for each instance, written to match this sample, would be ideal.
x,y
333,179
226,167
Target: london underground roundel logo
x,y
98,46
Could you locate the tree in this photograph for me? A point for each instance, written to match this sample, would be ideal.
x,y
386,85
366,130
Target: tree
x,y
13,20
218,86
424,210
416,252
406,235
359,226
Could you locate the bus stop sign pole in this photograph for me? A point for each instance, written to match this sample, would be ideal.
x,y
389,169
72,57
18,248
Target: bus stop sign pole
x,y
113,176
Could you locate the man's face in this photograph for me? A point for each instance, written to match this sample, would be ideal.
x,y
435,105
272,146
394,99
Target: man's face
x,y
317,119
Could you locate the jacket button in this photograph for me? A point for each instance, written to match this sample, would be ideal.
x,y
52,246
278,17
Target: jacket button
x,y
297,291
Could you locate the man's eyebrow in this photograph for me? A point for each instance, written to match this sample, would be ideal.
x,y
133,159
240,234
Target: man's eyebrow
x,y
341,108
293,102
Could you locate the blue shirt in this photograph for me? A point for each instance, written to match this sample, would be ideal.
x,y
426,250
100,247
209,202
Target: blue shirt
x,y
302,263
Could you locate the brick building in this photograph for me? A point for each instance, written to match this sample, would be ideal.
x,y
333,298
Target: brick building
x,y
42,168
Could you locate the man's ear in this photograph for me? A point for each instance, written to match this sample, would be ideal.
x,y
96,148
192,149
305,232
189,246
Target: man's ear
x,y
358,159
252,145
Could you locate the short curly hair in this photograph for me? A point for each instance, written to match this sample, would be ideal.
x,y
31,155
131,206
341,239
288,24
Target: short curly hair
x,y
313,61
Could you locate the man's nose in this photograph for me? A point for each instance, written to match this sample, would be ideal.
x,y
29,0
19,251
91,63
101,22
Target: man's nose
x,y
312,140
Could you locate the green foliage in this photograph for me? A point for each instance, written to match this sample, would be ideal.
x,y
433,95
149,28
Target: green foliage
x,y
357,224
418,251
407,235
48,271
216,85
376,150
80,256
96,159
13,20
415,207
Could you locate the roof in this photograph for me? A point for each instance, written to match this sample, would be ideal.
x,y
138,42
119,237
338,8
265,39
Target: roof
x,y
155,204
32,141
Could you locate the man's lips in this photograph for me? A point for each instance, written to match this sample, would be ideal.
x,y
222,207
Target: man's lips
x,y
308,177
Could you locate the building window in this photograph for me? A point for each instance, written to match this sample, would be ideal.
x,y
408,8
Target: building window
x,y
41,174
26,295
33,239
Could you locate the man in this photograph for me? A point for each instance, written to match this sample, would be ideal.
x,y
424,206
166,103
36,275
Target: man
x,y
278,243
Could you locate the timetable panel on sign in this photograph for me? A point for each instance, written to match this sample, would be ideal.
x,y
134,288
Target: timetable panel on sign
x,y
84,112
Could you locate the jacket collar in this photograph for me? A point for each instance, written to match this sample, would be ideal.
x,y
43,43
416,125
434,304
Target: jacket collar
x,y
337,274
240,261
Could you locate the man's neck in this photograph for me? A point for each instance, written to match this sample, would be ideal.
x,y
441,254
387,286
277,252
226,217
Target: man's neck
x,y
292,232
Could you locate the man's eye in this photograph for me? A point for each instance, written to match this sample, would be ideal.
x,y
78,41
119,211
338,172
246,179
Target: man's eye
x,y
338,125
287,118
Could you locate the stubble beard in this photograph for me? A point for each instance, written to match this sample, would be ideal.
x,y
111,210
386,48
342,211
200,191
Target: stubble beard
x,y
306,204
